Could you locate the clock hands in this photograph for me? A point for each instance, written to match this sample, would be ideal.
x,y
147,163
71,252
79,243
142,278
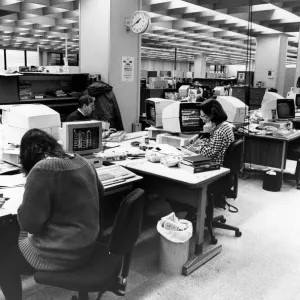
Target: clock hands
x,y
136,22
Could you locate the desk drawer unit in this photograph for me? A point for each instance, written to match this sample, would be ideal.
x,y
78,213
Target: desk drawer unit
x,y
263,152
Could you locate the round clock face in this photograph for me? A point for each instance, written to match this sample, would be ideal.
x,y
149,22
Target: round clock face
x,y
140,21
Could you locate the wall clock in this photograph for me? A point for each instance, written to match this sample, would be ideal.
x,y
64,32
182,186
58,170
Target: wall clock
x,y
140,21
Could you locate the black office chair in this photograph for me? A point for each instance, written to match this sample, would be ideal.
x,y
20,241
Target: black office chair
x,y
293,153
233,160
108,267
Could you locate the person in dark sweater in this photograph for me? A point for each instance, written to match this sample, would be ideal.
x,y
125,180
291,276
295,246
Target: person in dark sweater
x,y
85,108
59,215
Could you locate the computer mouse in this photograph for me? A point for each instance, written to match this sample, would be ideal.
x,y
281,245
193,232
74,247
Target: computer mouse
x,y
112,130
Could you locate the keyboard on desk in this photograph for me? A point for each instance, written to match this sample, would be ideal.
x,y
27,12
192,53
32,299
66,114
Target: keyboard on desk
x,y
113,174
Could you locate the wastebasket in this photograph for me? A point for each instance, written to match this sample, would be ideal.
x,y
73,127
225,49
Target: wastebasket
x,y
272,181
174,246
172,256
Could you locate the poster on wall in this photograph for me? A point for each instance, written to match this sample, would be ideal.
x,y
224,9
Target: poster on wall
x,y
127,68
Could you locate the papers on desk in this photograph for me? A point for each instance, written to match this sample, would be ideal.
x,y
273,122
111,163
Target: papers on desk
x,y
15,196
6,168
251,128
12,180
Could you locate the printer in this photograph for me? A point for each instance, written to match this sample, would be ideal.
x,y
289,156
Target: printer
x,y
21,117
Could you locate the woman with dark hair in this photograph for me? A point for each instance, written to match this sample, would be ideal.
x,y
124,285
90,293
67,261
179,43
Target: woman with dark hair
x,y
59,212
221,133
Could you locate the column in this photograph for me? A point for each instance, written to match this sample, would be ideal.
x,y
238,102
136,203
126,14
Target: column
x,y
270,61
200,66
298,64
104,41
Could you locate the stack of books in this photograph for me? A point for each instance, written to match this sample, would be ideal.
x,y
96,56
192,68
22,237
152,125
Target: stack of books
x,y
198,163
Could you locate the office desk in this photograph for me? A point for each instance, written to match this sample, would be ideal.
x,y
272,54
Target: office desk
x,y
9,227
267,150
179,185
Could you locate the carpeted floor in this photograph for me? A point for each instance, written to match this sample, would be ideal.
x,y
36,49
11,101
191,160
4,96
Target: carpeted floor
x,y
263,264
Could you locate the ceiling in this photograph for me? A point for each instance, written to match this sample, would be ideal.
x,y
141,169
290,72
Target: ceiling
x,y
217,28
26,24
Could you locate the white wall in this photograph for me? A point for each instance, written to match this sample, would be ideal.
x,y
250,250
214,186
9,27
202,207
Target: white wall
x,y
233,69
94,30
271,56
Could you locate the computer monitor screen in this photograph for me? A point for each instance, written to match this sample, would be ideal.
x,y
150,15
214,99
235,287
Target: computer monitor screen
x,y
190,118
154,107
297,101
182,117
285,109
81,137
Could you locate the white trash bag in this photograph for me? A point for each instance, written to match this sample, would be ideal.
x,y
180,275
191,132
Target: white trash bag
x,y
174,229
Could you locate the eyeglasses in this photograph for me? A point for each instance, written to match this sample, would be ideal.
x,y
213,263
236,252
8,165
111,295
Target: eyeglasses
x,y
204,117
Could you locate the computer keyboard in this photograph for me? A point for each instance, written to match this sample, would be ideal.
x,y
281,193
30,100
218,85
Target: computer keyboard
x,y
113,174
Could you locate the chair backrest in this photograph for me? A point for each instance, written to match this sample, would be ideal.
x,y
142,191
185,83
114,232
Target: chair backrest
x,y
128,222
233,158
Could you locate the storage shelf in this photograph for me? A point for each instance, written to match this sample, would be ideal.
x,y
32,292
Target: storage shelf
x,y
58,99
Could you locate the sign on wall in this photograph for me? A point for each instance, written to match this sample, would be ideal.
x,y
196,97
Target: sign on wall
x,y
127,68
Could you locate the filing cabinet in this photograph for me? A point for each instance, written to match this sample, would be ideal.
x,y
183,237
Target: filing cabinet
x,y
242,93
255,97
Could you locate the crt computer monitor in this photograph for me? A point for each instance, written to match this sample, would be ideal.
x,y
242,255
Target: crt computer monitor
x,y
297,101
269,105
83,137
235,109
182,117
285,109
295,97
154,108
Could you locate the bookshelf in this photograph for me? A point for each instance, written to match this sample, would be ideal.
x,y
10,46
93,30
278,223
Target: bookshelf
x,y
58,91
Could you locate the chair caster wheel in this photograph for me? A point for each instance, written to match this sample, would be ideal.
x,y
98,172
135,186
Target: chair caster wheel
x,y
213,241
223,221
238,233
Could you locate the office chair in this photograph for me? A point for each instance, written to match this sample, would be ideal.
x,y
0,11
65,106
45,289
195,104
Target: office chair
x,y
108,268
293,153
233,160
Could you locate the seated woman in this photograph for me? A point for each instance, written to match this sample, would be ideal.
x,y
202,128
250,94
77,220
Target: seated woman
x,y
221,134
59,213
